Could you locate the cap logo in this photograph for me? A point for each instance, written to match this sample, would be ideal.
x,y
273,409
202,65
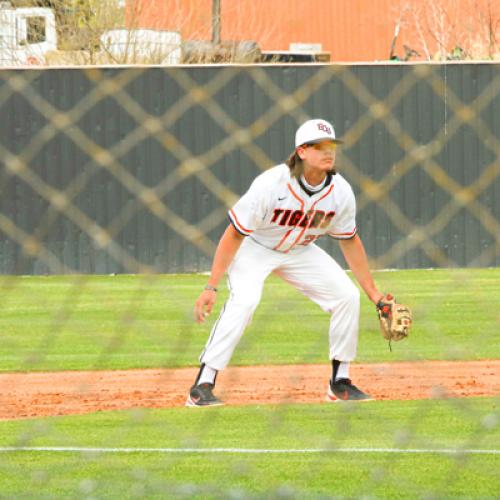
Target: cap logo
x,y
325,128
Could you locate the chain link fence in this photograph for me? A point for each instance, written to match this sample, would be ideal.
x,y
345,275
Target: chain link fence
x,y
131,170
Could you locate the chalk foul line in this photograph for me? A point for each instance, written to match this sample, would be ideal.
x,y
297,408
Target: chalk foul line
x,y
77,449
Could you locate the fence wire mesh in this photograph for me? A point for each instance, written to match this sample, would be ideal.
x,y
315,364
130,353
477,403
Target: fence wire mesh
x,y
112,177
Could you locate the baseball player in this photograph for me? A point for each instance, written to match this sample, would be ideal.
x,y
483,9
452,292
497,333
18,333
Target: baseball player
x,y
272,229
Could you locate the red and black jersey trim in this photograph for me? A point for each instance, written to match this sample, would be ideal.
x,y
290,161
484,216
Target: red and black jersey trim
x,y
344,236
312,193
237,225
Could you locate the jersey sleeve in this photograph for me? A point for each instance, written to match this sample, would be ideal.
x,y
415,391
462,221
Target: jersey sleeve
x,y
250,210
343,226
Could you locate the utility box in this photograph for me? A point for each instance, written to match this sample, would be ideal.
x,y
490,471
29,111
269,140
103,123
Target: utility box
x,y
287,56
26,35
298,52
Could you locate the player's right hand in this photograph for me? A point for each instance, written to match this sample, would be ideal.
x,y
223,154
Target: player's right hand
x,y
204,304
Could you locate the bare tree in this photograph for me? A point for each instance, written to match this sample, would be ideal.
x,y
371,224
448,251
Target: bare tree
x,y
444,29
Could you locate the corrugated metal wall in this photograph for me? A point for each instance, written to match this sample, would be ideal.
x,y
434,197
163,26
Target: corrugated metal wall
x,y
389,115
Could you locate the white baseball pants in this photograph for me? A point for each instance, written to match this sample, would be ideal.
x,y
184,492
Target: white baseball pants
x,y
312,271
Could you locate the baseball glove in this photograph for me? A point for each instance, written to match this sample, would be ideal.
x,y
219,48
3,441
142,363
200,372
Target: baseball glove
x,y
395,319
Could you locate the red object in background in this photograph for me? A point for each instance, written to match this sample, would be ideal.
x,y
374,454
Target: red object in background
x,y
354,30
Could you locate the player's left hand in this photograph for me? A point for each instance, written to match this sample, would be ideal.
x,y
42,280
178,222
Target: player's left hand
x,y
395,319
204,304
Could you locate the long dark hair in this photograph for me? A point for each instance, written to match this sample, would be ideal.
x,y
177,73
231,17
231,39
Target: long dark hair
x,y
295,164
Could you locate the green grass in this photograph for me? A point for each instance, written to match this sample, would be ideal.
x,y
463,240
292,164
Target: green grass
x,y
112,322
450,424
103,322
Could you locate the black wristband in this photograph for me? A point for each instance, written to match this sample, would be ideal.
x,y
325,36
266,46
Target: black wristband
x,y
212,288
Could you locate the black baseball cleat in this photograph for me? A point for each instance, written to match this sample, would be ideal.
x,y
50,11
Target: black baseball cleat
x,y
201,395
344,390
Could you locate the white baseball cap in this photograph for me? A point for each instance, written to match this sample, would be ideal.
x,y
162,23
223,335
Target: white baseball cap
x,y
315,130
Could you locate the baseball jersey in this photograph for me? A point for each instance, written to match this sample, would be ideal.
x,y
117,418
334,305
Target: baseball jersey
x,y
280,213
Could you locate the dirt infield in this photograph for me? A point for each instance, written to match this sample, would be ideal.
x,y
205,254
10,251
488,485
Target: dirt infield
x,y
48,394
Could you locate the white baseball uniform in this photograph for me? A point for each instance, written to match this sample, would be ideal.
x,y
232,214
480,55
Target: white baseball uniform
x,y
282,218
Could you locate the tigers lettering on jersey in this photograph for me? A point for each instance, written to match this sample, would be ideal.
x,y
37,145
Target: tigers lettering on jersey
x,y
309,220
279,214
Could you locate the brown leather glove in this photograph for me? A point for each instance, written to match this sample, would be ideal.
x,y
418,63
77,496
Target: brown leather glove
x,y
395,319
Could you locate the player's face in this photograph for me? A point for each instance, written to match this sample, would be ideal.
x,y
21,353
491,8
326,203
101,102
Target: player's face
x,y
320,155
